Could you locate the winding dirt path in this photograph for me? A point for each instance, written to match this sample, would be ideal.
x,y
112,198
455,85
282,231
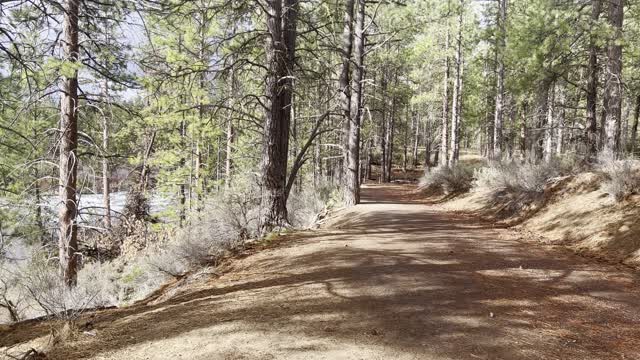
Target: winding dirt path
x,y
390,279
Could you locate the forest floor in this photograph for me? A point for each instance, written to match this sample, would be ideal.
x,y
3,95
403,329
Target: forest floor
x,y
393,278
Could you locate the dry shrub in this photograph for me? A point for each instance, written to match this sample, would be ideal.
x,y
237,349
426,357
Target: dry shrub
x,y
39,281
516,178
305,206
35,288
623,179
10,301
455,180
513,187
221,226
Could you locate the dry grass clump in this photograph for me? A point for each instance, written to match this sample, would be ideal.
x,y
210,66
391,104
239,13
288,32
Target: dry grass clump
x,y
623,178
443,179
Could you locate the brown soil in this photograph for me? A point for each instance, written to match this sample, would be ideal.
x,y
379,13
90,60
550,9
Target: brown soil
x,y
389,279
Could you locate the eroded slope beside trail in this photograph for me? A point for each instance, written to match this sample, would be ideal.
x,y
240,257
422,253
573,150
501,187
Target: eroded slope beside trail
x,y
388,279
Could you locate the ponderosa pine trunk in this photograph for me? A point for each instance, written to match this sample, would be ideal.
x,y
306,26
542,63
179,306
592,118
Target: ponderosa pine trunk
x,y
561,119
230,132
352,183
550,125
280,53
68,208
390,135
541,113
344,83
427,144
457,95
444,136
592,83
613,83
384,130
499,108
523,131
106,174
416,141
634,127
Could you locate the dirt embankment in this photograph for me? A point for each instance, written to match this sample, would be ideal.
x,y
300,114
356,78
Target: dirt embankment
x,y
573,212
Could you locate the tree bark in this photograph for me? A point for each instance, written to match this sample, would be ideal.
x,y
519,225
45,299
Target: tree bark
x,y
390,134
68,208
106,174
384,131
541,113
444,138
613,83
352,183
523,131
592,83
562,100
427,144
634,127
344,82
230,132
499,110
457,94
416,141
550,125
280,52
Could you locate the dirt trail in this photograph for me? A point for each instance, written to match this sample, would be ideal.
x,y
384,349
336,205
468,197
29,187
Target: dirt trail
x,y
391,279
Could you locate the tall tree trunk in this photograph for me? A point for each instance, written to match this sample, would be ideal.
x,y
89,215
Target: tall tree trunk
x,y
592,83
488,131
416,142
182,190
280,45
405,148
290,33
390,134
106,174
562,101
444,138
541,113
457,94
550,125
499,110
230,132
613,83
634,127
427,144
344,82
68,209
384,130
352,184
523,131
